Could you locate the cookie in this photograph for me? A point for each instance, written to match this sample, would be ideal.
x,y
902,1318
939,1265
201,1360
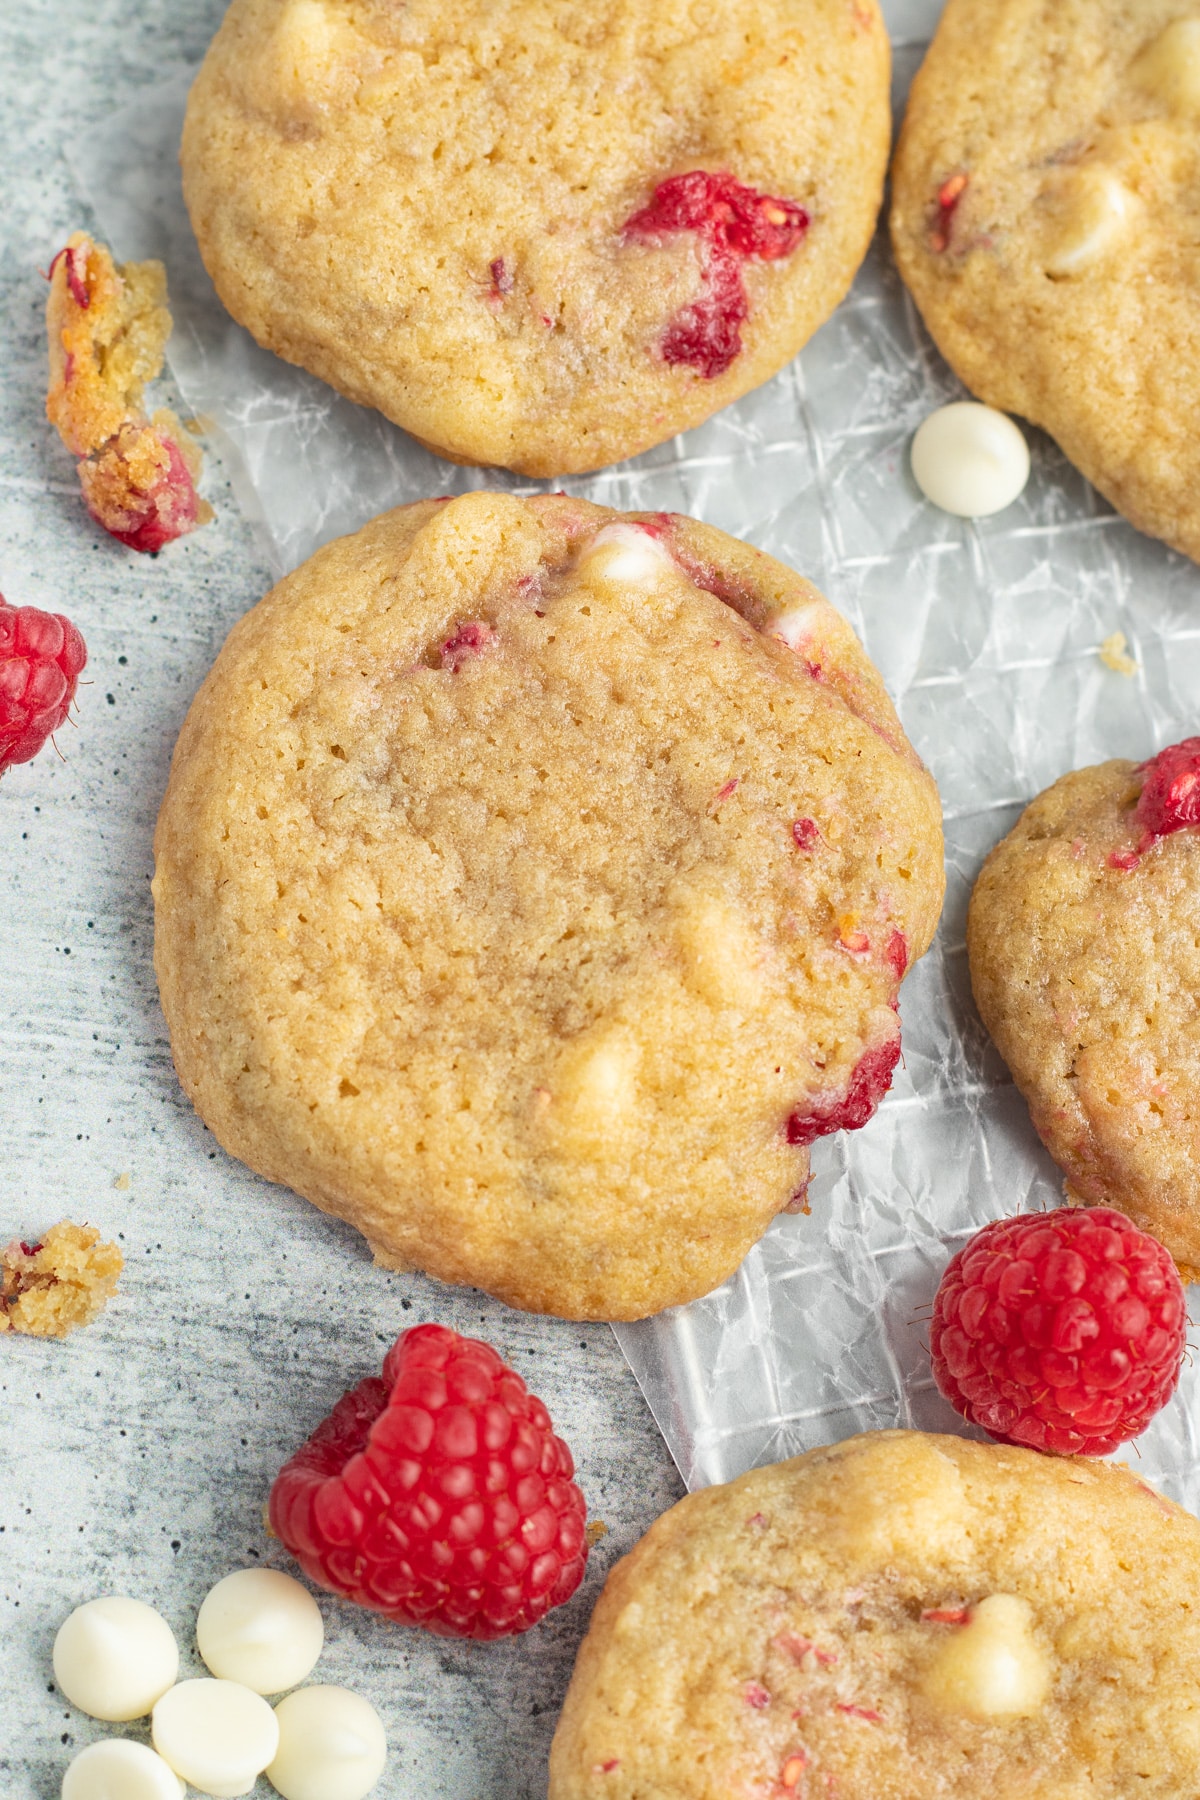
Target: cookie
x,y
1083,936
65,1280
902,1615
533,886
1046,209
107,328
537,234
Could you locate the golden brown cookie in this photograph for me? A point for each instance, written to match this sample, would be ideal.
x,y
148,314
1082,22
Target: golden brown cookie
x,y
534,884
900,1617
535,233
1046,217
1084,942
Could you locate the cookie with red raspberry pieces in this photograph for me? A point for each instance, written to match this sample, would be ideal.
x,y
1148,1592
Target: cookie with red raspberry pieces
x,y
1083,937
42,656
1062,1331
899,1615
438,1495
107,328
1045,211
534,885
541,236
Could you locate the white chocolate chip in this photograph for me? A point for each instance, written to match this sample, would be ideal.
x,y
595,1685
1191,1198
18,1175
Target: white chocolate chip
x,y
304,35
795,625
991,1667
1090,214
260,1627
332,1746
596,1088
1169,68
627,554
970,460
118,1769
113,1658
721,956
215,1734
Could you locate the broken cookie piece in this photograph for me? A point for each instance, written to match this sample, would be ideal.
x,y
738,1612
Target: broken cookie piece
x,y
108,327
49,1288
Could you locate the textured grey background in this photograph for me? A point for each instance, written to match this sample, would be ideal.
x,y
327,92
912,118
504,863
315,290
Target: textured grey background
x,y
136,1456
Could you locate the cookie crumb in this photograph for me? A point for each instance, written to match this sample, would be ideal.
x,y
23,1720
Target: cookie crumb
x,y
108,327
1114,654
49,1288
123,1182
595,1530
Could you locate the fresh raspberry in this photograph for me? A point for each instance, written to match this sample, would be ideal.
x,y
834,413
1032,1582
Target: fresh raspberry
x,y
41,656
733,223
1063,1331
438,1495
869,1082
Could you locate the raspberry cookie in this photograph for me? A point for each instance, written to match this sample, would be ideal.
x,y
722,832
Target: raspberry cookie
x,y
534,885
899,1615
1046,212
1084,942
538,235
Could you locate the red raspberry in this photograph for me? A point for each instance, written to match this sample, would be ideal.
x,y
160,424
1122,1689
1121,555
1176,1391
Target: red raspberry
x,y
438,1496
869,1082
41,656
734,223
1063,1331
1170,796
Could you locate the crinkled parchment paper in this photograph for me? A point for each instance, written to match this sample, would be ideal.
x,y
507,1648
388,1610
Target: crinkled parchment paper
x,y
987,635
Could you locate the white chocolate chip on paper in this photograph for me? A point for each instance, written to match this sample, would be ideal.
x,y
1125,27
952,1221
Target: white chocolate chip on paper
x,y
970,459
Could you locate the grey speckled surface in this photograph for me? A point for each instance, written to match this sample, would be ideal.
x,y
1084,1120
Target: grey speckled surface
x,y
137,1455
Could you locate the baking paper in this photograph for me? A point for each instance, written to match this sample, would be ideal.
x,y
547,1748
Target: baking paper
x,y
988,637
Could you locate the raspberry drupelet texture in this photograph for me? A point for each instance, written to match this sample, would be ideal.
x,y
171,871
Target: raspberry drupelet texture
x,y
108,327
438,1495
1061,1331
41,656
734,224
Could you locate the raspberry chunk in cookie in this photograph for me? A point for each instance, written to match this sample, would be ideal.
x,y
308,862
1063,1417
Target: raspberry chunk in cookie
x,y
1170,796
733,224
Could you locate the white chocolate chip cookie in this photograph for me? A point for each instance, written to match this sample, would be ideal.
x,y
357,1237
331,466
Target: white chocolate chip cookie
x,y
536,233
525,897
900,1617
1046,217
